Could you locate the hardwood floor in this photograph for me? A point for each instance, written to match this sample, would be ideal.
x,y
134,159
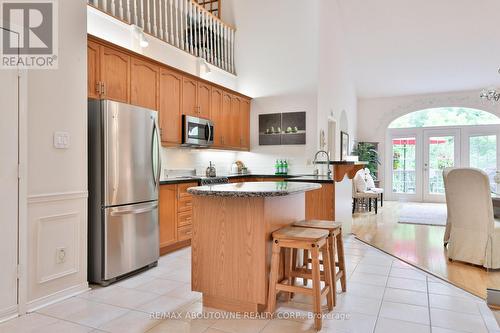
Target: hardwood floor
x,y
421,246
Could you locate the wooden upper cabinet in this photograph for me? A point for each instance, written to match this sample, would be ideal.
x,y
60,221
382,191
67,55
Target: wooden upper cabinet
x,y
216,115
225,129
245,123
115,74
203,100
144,84
170,118
189,96
235,123
93,79
167,214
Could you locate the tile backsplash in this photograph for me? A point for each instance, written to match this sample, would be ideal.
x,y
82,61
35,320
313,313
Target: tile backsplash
x,y
257,162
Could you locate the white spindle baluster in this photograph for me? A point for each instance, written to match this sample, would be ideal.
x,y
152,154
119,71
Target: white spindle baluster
x,y
177,25
129,14
155,28
148,18
142,14
136,17
96,3
120,9
167,35
198,30
195,29
232,51
191,29
219,45
209,38
227,48
172,40
105,5
160,18
203,35
182,22
224,49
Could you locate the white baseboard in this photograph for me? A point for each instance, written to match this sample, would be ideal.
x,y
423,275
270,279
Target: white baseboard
x,y
9,313
56,297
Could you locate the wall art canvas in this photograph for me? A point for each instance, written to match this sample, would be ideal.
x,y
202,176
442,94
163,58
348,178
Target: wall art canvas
x,y
282,128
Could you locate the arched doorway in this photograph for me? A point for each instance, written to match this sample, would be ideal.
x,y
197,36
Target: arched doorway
x,y
422,143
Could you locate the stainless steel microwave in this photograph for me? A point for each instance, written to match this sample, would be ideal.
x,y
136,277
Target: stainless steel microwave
x,y
197,131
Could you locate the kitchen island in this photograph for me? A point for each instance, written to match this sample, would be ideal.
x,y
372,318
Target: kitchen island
x,y
231,241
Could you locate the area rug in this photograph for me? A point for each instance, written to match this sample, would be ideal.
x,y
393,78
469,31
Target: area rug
x,y
425,214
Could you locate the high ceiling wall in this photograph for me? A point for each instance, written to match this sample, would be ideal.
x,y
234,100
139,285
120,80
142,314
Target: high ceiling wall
x,y
405,47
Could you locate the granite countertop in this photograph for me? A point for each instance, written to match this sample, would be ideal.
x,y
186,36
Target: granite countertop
x,y
253,189
194,179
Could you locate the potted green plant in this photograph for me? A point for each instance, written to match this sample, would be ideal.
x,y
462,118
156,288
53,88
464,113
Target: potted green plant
x,y
367,152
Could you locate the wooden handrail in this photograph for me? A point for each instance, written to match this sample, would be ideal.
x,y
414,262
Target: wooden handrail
x,y
215,17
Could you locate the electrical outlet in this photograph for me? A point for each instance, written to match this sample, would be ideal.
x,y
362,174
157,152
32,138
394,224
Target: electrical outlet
x,y
60,255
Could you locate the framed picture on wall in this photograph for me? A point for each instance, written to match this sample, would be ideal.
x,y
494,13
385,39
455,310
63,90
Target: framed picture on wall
x,y
344,145
282,129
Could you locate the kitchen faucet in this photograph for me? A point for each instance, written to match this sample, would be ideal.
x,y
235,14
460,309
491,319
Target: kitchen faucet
x,y
315,161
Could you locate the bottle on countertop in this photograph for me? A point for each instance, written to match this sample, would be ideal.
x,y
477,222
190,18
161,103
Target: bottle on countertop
x,y
285,167
277,168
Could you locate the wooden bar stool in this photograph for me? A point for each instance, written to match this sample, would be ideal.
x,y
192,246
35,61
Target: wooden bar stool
x,y
314,240
336,248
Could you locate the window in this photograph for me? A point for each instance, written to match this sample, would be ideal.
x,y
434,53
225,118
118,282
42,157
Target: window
x,y
452,116
483,155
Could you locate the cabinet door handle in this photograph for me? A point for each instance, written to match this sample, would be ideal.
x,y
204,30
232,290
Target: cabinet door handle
x,y
103,88
98,88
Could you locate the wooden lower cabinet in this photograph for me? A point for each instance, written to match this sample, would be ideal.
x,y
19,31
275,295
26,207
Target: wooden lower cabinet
x,y
175,215
320,204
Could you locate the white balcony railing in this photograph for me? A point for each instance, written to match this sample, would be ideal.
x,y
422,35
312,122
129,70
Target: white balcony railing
x,y
181,23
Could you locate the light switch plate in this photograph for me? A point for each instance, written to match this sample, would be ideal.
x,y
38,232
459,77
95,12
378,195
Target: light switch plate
x,y
61,140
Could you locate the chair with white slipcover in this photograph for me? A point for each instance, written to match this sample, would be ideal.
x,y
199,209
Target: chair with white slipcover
x,y
360,192
473,233
370,184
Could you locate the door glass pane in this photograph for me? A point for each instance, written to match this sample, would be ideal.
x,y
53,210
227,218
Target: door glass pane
x,y
403,165
483,155
441,156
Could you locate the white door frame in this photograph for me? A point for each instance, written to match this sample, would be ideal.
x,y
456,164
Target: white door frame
x,y
427,134
22,151
465,133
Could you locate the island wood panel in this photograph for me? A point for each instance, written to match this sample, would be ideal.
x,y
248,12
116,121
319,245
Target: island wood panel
x,y
170,107
231,247
144,84
320,203
115,74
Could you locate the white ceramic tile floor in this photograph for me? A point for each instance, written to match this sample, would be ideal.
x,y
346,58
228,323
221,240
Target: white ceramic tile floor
x,y
384,295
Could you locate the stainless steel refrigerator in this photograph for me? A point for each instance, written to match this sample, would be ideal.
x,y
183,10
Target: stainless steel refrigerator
x,y
124,172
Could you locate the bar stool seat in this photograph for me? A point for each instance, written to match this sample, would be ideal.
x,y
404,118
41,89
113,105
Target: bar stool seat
x,y
336,248
314,240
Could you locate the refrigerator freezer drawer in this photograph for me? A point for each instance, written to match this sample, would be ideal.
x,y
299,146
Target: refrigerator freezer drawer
x,y
131,239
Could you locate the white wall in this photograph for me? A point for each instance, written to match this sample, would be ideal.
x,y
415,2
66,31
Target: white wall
x,y
57,178
376,114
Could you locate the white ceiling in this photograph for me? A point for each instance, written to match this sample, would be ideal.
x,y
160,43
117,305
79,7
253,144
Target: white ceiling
x,y
403,47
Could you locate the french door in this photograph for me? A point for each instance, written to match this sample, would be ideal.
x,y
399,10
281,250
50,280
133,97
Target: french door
x,y
441,150
417,157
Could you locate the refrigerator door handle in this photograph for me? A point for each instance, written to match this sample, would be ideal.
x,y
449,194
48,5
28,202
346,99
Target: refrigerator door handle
x,y
120,212
156,138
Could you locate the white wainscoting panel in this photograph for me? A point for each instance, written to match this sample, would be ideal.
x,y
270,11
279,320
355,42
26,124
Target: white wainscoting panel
x,y
56,220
